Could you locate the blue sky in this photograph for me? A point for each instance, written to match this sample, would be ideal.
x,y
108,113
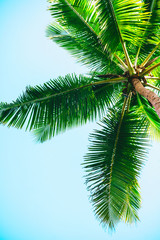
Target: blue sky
x,y
42,191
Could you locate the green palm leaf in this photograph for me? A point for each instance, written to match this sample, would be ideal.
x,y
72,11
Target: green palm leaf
x,y
91,55
84,11
82,30
132,203
116,155
58,105
108,36
121,19
150,116
151,36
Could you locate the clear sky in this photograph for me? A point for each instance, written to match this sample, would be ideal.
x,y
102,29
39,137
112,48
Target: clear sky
x,y
42,191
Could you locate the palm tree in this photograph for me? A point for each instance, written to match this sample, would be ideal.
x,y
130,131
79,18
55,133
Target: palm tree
x,y
119,42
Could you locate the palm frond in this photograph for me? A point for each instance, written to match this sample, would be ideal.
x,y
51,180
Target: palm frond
x,y
113,169
150,116
156,79
151,36
84,10
58,105
132,203
91,55
121,20
82,29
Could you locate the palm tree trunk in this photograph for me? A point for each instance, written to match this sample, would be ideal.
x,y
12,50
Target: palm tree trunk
x,y
151,96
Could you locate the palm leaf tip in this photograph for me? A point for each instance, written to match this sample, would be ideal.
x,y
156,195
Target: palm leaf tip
x,y
113,184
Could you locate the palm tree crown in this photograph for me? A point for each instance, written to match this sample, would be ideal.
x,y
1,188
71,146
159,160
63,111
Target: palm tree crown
x,y
119,42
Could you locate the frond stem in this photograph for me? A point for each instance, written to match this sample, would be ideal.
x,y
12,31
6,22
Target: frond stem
x,y
150,62
149,85
136,58
152,78
129,63
121,62
146,71
129,101
149,56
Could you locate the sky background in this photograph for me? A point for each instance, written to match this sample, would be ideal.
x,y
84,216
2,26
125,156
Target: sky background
x,y
42,191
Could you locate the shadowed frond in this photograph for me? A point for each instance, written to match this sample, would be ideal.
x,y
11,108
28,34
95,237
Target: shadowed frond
x,y
113,163
58,105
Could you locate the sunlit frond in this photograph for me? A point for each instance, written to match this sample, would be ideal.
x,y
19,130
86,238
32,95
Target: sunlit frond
x,y
150,116
121,20
151,35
